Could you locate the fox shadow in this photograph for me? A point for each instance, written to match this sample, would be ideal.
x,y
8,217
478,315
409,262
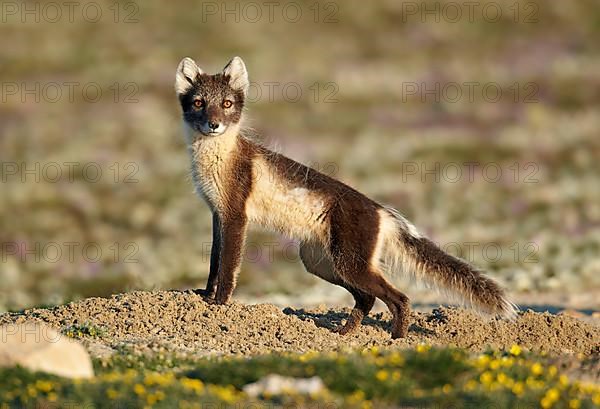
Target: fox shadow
x,y
333,320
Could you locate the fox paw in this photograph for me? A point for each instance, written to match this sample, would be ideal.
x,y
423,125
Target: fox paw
x,y
209,294
345,329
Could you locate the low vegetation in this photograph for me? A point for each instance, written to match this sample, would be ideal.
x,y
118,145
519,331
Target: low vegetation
x,y
421,377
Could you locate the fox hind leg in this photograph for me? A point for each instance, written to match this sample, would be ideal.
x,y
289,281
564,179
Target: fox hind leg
x,y
363,305
368,280
372,282
317,262
354,256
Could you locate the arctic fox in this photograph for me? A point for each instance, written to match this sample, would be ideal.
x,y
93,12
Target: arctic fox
x,y
346,238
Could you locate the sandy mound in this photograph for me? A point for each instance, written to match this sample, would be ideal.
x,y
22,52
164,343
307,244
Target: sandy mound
x,y
183,321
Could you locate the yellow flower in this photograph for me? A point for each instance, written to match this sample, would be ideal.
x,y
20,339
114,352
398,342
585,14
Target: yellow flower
x,y
588,388
546,403
195,385
111,393
225,393
596,399
552,371
356,396
533,384
155,378
396,359
518,388
537,369
470,385
129,375
139,389
574,404
44,386
495,364
563,380
486,378
447,388
307,356
553,394
515,350
483,361
152,398
507,362
422,348
31,391
381,375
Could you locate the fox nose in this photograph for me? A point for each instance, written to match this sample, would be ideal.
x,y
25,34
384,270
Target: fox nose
x,y
213,125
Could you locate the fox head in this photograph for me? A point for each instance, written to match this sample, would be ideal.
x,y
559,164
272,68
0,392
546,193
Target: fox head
x,y
211,104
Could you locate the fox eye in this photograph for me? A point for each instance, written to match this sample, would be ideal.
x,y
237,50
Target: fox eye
x,y
198,103
227,103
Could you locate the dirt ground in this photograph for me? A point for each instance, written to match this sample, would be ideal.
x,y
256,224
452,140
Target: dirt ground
x,y
182,321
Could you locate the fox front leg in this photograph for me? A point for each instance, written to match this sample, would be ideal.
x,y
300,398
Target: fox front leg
x,y
211,284
232,238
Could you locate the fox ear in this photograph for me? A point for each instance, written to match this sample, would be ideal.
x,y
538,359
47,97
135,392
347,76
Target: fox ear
x,y
187,71
238,76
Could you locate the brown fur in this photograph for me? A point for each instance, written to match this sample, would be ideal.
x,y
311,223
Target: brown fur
x,y
346,238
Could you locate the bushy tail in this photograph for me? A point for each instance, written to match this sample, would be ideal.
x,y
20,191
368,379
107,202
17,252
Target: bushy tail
x,y
405,249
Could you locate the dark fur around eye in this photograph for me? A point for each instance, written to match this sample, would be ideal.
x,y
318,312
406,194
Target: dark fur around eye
x,y
213,90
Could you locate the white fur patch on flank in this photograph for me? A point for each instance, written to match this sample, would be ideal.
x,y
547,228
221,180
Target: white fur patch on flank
x,y
276,204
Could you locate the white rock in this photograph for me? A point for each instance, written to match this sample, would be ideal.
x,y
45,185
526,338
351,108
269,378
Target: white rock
x,y
38,347
277,385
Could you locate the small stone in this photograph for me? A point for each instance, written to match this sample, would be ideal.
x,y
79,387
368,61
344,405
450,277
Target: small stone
x,y
37,347
276,385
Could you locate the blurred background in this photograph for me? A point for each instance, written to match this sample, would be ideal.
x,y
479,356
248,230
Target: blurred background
x,y
479,121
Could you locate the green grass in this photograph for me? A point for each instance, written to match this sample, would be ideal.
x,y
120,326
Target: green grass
x,y
85,329
423,377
